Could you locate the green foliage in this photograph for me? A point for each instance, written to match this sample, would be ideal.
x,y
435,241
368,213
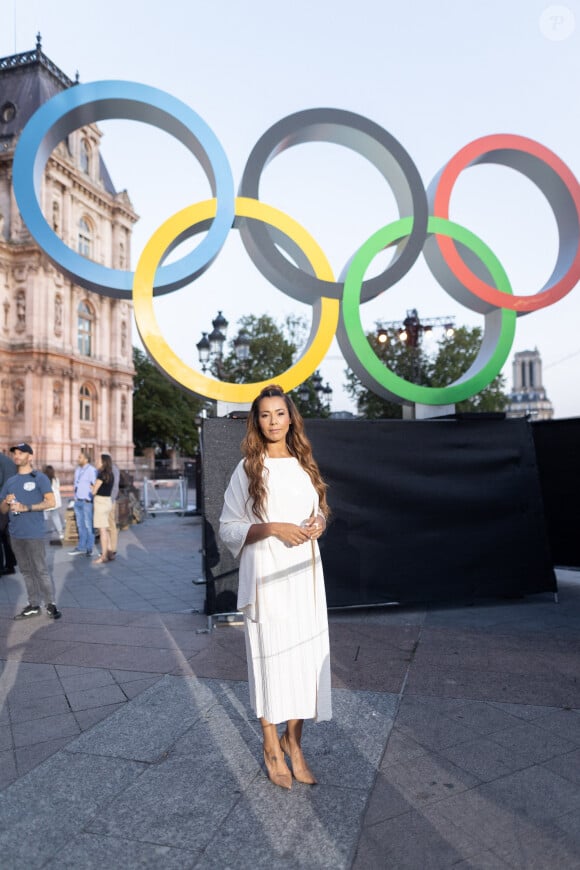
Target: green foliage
x,y
454,356
410,363
273,349
163,414
271,352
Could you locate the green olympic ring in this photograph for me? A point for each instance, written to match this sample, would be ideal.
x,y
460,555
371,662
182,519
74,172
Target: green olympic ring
x,y
499,332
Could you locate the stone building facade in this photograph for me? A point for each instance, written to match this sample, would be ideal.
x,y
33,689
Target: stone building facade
x,y
66,364
528,396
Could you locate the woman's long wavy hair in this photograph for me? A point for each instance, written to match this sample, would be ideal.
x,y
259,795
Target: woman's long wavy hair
x,y
106,467
254,451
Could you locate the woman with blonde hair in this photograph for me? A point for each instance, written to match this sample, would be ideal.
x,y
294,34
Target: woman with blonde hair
x,y
274,511
103,505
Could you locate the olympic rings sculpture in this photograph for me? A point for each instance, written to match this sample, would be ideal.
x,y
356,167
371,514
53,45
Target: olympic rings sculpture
x,y
471,273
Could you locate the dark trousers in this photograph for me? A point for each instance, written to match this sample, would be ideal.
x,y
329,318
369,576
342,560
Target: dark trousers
x,y
31,557
7,557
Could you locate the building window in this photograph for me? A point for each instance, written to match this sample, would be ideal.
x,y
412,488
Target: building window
x,y
8,112
56,217
85,156
85,323
85,238
85,404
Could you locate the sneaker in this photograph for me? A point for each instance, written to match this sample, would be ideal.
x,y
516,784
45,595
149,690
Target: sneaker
x,y
29,610
75,552
53,611
88,554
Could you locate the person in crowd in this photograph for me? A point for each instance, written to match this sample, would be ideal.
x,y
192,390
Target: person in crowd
x,y
24,497
274,511
102,488
7,557
85,476
113,530
53,515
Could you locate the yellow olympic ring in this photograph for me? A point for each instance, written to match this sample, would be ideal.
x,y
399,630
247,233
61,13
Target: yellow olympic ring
x,y
179,226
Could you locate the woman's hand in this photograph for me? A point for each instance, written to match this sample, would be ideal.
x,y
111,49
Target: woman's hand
x,y
290,534
315,526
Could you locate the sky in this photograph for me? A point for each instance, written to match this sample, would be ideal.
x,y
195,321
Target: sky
x,y
434,75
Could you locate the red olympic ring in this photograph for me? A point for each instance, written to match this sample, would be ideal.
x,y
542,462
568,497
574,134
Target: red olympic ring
x,y
560,187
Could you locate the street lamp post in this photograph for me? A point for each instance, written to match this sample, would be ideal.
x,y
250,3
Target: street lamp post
x,y
411,331
210,349
322,394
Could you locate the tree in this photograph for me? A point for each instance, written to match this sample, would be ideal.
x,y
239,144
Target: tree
x,y
406,361
454,356
273,349
163,414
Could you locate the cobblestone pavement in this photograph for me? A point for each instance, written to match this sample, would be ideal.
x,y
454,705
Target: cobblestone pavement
x,y
126,739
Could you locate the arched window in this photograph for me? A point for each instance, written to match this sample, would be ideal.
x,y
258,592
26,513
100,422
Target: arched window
x,y
85,324
85,238
85,156
85,404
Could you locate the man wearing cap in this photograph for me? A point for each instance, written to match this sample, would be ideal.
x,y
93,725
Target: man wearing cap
x,y
85,476
24,497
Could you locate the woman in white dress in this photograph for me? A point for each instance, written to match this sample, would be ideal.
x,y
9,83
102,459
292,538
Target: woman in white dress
x,y
274,511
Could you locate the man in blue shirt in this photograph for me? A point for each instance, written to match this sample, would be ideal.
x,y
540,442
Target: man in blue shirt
x,y
24,497
85,476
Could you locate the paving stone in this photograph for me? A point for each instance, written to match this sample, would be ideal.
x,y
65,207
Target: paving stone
x,y
30,757
99,696
158,716
5,737
410,841
93,852
401,747
419,721
428,778
37,708
278,829
532,742
41,730
168,807
8,770
87,718
136,687
485,759
562,723
86,678
24,691
61,796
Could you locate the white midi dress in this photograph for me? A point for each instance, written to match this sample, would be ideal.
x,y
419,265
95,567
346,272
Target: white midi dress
x,y
281,593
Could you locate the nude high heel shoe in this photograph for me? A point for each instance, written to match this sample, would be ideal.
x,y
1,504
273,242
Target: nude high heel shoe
x,y
282,778
300,769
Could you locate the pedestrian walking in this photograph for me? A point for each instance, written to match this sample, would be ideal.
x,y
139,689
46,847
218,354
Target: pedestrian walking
x,y
85,476
24,497
274,511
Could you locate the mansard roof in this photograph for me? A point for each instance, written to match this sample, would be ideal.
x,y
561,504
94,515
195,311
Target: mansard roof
x,y
28,80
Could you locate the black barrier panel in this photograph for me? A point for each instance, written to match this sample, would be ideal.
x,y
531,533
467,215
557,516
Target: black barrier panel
x,y
558,455
221,439
422,510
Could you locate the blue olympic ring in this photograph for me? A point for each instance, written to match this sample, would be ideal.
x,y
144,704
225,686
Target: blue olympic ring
x,y
97,101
